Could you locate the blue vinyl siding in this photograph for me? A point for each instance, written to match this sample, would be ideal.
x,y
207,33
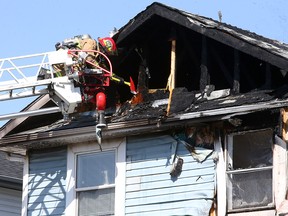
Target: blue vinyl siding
x,y
10,202
47,180
149,187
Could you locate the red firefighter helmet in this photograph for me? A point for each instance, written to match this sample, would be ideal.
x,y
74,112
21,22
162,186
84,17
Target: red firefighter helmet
x,y
109,45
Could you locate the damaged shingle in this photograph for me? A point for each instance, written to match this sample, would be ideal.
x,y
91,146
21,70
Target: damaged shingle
x,y
138,111
181,100
185,102
230,101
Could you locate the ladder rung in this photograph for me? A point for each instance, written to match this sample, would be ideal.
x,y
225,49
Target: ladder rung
x,y
25,85
24,94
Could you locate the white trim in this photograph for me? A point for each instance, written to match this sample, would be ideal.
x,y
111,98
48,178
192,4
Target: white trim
x,y
279,171
229,162
25,187
70,183
256,213
119,145
221,179
95,187
120,180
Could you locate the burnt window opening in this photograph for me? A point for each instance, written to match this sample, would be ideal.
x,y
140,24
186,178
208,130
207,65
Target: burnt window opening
x,y
249,170
252,73
220,65
226,67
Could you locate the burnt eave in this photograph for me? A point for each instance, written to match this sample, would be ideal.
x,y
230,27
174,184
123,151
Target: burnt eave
x,y
244,41
19,143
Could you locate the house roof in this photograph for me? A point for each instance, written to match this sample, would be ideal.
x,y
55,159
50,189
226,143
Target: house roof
x,y
28,122
265,49
188,108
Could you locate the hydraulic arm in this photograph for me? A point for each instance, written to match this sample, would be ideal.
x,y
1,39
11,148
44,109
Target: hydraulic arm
x,y
66,75
22,77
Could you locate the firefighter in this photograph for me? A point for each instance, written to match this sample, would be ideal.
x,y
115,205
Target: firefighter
x,y
89,58
105,45
79,42
85,42
108,46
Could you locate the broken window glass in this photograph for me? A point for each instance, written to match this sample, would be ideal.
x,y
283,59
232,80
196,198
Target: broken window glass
x,y
249,170
252,189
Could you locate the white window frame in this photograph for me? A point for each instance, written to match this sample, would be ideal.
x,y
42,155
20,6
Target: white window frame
x,y
119,145
229,141
280,159
25,185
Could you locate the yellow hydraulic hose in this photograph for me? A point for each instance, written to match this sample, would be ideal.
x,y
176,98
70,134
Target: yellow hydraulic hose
x,y
119,80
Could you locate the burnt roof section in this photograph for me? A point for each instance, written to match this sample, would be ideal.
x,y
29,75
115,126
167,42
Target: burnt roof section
x,y
187,103
145,23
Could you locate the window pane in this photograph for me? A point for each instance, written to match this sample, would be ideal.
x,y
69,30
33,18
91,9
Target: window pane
x,y
95,169
252,189
96,202
253,149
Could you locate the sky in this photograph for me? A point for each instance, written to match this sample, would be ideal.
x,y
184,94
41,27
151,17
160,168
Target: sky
x,y
35,26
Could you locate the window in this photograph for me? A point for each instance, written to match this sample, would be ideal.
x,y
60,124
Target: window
x,y
249,170
95,183
95,178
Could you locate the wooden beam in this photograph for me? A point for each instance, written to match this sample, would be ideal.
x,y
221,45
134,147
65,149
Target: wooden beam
x,y
173,64
172,78
284,113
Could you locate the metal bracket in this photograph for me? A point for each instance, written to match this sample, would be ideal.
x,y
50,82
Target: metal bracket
x,y
99,136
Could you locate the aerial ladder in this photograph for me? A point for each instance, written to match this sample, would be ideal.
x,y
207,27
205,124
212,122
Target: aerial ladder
x,y
35,75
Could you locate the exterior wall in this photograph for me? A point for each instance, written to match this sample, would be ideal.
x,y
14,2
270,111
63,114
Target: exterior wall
x,y
150,190
10,202
10,185
47,180
119,145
